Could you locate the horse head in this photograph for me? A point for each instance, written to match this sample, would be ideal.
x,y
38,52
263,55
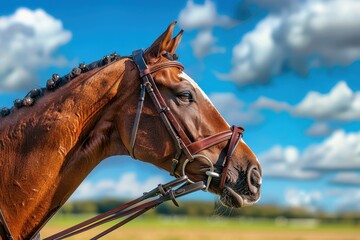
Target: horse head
x,y
199,143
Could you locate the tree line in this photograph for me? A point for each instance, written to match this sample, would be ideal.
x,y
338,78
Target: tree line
x,y
206,209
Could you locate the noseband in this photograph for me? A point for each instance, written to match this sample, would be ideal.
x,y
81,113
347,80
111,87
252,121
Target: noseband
x,y
182,142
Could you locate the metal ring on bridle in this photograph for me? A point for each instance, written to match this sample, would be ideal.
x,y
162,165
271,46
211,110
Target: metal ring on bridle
x,y
211,173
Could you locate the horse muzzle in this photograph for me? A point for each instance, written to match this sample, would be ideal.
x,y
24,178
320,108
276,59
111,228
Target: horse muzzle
x,y
244,191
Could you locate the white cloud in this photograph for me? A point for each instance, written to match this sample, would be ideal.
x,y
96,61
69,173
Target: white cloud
x,y
198,16
341,104
238,112
128,186
284,162
204,17
347,178
319,129
279,154
301,36
300,198
28,41
257,56
340,151
204,44
267,103
345,199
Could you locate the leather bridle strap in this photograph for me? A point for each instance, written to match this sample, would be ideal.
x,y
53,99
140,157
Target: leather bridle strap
x,y
234,141
207,142
178,135
137,120
159,66
233,137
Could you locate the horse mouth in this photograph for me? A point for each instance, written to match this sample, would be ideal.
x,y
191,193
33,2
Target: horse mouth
x,y
232,199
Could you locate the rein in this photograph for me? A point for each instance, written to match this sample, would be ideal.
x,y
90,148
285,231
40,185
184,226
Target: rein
x,y
183,145
133,208
6,231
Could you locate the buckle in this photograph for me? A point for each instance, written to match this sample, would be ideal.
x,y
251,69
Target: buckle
x,y
174,164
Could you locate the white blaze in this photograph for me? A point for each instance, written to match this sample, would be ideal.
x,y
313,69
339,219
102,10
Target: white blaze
x,y
183,75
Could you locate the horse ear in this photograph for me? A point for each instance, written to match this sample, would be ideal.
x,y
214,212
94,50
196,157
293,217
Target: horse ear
x,y
175,42
163,43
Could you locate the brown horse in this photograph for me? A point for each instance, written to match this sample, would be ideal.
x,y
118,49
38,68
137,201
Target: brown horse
x,y
48,148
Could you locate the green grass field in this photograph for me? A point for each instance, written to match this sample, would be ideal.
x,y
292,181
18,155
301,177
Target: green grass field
x,y
148,228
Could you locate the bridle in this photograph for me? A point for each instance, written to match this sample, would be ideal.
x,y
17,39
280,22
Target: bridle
x,y
164,192
182,142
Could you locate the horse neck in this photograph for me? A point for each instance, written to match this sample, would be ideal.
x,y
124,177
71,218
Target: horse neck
x,y
46,153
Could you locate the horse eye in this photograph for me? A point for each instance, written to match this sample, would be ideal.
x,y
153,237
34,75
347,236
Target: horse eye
x,y
185,96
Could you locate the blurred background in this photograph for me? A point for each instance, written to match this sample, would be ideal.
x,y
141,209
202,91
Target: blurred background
x,y
287,68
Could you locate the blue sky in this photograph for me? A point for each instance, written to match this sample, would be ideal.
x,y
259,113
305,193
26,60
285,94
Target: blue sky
x,y
287,68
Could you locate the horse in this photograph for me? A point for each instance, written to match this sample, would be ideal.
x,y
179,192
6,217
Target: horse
x,y
54,137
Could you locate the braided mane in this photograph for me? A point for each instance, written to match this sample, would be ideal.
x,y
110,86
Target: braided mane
x,y
56,82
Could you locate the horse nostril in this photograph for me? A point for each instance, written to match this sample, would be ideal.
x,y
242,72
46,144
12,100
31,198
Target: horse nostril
x,y
254,179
